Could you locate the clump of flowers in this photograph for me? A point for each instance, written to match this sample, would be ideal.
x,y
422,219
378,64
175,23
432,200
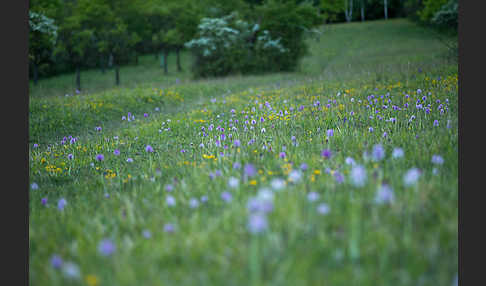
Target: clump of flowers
x,y
259,206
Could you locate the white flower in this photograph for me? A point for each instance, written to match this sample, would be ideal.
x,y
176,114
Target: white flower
x,y
358,176
233,182
265,194
397,153
323,209
411,177
295,176
277,184
71,270
384,195
350,161
312,196
193,203
170,201
34,186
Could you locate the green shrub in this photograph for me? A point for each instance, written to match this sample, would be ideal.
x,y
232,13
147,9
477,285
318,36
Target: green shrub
x,y
430,7
230,45
446,17
290,22
273,42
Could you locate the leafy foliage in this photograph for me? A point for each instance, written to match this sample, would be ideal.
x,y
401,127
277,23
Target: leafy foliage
x,y
447,16
230,45
42,38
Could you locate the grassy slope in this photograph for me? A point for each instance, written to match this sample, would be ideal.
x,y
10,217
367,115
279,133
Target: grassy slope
x,y
413,241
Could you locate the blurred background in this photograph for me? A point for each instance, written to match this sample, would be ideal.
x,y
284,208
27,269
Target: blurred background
x,y
126,42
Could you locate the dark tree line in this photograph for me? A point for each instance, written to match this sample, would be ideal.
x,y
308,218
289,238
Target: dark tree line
x,y
72,35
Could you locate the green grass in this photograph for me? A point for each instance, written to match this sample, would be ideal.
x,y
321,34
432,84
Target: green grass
x,y
409,241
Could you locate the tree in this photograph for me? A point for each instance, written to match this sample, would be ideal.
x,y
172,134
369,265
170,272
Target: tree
x,y
363,4
290,22
42,38
430,7
185,19
110,32
348,10
158,15
74,39
332,10
385,4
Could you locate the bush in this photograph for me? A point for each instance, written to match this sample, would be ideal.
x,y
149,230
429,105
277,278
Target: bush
x,y
290,22
446,17
430,7
273,41
229,45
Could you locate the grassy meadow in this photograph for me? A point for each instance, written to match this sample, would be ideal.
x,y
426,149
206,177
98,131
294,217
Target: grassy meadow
x,y
344,172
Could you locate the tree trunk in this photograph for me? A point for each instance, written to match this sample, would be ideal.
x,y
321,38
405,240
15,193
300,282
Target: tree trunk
x,y
166,55
362,10
102,64
179,68
110,61
117,70
348,10
36,75
78,79
117,74
386,9
136,58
